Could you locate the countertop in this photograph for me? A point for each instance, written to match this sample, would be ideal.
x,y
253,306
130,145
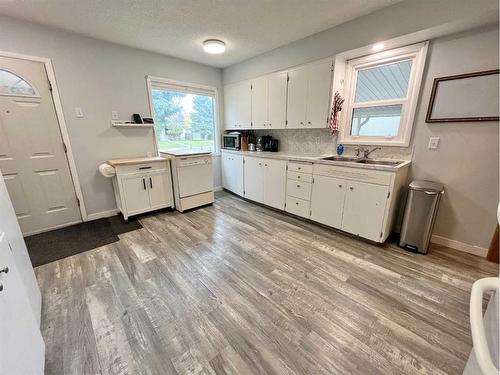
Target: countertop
x,y
132,161
316,159
185,152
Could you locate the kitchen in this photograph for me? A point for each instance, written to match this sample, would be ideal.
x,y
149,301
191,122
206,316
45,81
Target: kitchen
x,y
234,199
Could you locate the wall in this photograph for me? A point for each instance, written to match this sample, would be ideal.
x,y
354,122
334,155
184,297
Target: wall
x,y
428,18
101,77
467,161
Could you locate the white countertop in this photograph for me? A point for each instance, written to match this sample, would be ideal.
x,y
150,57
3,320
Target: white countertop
x,y
317,159
186,152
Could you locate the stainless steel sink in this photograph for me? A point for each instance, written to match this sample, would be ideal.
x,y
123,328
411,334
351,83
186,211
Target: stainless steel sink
x,y
392,163
342,158
354,159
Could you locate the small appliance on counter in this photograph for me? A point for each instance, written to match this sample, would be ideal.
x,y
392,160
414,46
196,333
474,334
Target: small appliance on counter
x,y
267,143
231,141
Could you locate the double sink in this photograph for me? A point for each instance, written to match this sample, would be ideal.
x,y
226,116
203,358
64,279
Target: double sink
x,y
362,160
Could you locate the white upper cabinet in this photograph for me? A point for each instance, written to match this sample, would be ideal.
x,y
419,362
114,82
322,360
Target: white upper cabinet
x,y
237,105
259,103
309,95
297,98
269,101
276,99
318,94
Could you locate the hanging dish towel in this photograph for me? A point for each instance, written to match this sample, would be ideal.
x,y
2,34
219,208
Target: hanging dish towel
x,y
338,101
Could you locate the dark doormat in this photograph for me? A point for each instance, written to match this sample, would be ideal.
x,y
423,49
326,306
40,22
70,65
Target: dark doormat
x,y
50,246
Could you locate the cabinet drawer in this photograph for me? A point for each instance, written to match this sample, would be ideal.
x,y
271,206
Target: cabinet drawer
x,y
297,206
291,175
300,167
298,189
364,175
142,168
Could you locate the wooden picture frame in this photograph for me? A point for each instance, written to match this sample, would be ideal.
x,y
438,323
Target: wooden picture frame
x,y
480,85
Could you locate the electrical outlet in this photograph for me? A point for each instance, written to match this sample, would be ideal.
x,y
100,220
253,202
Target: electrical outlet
x,y
433,143
79,112
114,115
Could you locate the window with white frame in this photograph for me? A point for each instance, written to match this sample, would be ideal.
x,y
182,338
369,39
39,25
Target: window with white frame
x,y
381,93
185,114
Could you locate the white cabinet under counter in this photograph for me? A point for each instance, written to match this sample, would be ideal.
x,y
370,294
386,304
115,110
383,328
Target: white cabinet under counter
x,y
358,199
142,184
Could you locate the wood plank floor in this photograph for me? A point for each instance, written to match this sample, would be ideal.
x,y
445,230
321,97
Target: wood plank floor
x,y
237,288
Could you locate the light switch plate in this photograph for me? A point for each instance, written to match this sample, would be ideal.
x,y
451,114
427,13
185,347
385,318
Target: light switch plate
x,y
433,143
79,112
114,115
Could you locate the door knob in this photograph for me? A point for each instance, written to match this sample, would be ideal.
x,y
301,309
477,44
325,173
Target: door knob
x,y
4,270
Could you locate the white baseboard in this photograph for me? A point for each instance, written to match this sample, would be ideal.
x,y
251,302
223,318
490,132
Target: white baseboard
x,y
218,188
100,215
461,246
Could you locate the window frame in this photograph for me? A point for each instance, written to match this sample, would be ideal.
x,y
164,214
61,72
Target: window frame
x,y
417,53
36,95
189,88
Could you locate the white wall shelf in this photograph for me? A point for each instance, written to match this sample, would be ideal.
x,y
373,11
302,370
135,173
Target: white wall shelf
x,y
122,124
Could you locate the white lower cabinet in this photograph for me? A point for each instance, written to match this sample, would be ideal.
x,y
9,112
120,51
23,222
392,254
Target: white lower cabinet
x,y
254,179
265,181
327,200
364,209
143,187
232,173
358,201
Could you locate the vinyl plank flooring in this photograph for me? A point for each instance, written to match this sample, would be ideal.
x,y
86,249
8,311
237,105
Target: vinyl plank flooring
x,y
237,288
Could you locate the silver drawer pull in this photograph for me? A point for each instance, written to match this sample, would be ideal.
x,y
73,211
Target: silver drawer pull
x,y
298,176
297,203
340,186
351,188
298,186
145,167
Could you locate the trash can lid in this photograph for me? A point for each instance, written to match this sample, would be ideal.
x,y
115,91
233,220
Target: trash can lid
x,y
423,185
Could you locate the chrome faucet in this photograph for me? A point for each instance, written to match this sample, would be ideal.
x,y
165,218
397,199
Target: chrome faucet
x,y
367,152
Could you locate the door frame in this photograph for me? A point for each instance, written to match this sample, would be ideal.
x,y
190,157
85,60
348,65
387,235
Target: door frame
x,y
49,70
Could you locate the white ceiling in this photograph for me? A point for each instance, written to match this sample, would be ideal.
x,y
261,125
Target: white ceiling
x,y
178,27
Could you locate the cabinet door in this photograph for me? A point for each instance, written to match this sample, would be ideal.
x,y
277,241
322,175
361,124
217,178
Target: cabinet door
x,y
327,200
254,178
297,96
243,105
230,107
22,350
364,209
275,183
319,81
160,190
259,103
276,100
232,173
135,193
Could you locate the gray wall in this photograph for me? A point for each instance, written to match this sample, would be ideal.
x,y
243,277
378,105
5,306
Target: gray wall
x,y
467,160
435,17
101,77
468,157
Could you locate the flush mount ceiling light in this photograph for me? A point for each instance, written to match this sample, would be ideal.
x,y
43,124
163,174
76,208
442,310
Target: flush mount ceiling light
x,y
378,46
214,46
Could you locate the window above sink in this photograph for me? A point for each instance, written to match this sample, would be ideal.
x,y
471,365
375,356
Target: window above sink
x,y
381,92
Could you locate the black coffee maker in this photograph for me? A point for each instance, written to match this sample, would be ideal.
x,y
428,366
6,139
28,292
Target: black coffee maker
x,y
269,144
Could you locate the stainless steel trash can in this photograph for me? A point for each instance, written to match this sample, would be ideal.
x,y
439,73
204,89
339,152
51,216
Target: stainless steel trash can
x,y
420,211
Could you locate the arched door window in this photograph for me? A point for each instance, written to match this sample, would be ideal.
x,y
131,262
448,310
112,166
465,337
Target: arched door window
x,y
12,84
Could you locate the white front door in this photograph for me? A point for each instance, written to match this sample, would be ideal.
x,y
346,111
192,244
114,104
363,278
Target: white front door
x,y
32,155
22,349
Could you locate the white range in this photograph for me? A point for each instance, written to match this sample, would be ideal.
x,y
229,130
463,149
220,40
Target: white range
x,y
192,178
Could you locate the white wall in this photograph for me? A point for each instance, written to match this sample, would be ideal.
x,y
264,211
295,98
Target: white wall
x,y
468,157
101,77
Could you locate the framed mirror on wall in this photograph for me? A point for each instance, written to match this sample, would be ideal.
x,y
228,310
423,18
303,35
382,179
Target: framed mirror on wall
x,y
465,97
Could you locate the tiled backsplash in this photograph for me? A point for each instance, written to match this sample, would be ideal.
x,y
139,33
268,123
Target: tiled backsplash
x,y
320,141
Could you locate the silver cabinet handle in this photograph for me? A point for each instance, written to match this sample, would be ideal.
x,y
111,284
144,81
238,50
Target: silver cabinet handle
x,y
265,165
309,122
298,176
299,168
260,163
150,182
144,183
297,203
351,188
340,186
301,123
270,124
4,270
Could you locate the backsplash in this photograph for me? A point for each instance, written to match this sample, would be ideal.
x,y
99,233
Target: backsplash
x,y
320,141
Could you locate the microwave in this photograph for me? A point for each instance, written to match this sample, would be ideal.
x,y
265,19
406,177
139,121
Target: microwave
x,y
231,141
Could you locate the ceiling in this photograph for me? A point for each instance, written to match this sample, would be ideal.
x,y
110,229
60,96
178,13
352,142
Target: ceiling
x,y
178,27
